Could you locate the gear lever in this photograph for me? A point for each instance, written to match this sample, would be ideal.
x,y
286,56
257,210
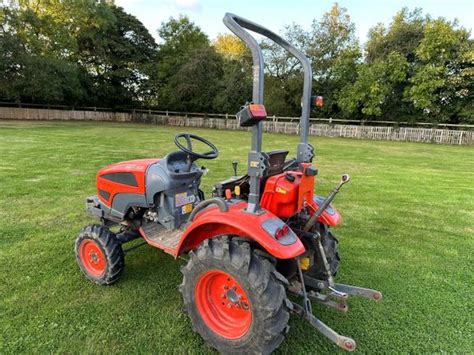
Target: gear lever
x,y
234,165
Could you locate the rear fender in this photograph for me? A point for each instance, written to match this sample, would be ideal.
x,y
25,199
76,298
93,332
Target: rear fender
x,y
236,221
330,216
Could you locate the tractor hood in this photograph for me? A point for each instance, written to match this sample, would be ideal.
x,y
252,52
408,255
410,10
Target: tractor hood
x,y
132,166
127,177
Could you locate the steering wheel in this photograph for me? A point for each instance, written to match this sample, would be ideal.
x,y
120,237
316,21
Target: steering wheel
x,y
212,154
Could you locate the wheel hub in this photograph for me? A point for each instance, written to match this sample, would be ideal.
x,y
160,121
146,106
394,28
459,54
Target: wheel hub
x,y
94,258
233,296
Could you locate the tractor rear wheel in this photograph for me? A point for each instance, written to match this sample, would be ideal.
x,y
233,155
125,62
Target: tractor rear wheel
x,y
235,298
99,254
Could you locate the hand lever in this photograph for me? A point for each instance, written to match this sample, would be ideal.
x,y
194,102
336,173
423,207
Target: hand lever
x,y
234,165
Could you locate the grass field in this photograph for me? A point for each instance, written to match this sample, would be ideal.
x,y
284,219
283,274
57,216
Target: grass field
x,y
407,231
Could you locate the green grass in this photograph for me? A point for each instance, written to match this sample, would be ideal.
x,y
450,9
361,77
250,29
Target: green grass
x,y
407,231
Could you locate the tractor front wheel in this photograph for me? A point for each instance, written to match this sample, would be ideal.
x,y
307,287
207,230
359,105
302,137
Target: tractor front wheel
x,y
99,254
235,298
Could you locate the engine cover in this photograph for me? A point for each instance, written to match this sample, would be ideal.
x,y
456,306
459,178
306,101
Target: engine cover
x,y
126,177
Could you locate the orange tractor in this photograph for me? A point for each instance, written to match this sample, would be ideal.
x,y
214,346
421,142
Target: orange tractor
x,y
261,236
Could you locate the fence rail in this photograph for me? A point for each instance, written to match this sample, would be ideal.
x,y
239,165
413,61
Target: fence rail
x,y
443,134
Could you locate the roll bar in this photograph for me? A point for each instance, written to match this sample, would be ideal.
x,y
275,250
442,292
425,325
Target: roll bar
x,y
257,161
238,25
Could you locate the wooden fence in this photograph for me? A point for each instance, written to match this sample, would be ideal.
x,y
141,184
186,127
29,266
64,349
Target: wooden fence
x,y
443,134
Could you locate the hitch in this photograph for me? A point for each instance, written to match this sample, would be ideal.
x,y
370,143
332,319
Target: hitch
x,y
331,294
335,298
343,342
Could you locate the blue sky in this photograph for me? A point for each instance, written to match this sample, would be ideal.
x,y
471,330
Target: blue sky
x,y
208,14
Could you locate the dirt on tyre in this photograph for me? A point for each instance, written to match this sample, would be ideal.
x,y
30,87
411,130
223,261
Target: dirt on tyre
x,y
99,254
235,298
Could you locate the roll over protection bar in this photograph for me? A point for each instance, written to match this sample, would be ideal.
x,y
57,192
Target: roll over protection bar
x,y
257,161
238,25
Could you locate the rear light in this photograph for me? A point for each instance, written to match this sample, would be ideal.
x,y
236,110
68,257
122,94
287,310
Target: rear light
x,y
251,114
281,232
258,111
317,101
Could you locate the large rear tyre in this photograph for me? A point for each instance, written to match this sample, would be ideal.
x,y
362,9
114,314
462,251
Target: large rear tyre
x,y
99,255
234,297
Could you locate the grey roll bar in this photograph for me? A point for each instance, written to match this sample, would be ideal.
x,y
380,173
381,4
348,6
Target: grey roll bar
x,y
237,25
305,151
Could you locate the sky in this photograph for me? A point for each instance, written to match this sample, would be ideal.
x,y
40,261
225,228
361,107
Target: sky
x,y
274,14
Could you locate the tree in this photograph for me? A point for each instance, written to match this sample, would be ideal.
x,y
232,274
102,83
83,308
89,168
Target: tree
x,y
101,53
417,68
196,83
403,36
284,77
180,40
116,53
230,47
235,86
32,69
374,87
335,52
443,78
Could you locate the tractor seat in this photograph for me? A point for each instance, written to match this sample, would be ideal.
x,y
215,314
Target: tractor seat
x,y
177,165
276,161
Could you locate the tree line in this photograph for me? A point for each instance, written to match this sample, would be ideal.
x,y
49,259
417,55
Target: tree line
x,y
89,53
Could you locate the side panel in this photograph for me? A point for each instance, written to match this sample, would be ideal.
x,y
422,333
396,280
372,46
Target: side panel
x,y
330,216
117,179
212,222
122,202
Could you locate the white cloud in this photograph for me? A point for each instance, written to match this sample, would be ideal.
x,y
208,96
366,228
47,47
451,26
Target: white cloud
x,y
125,3
192,5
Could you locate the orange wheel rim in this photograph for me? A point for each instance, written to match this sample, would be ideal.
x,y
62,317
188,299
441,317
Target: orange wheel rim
x,y
92,258
223,304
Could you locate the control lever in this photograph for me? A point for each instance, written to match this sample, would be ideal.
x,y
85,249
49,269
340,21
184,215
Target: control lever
x,y
344,180
234,165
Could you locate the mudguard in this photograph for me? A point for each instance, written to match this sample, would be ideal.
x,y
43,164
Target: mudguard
x,y
330,216
260,228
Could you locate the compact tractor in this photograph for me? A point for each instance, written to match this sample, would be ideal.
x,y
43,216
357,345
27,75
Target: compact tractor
x,y
260,238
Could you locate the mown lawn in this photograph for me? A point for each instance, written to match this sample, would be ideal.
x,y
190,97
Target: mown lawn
x,y
407,231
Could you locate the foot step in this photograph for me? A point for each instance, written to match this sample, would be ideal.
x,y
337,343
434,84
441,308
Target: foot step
x,y
161,237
